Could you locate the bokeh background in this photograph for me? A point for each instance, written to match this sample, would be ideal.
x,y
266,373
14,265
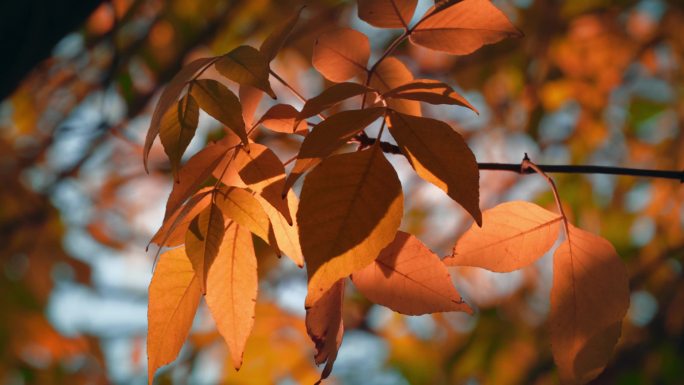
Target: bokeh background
x,y
592,82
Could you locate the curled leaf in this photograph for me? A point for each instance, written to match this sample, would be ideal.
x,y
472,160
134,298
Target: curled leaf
x,y
177,130
325,327
429,91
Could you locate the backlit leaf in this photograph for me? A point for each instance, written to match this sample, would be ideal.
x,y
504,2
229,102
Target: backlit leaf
x,y
202,241
264,173
330,97
177,129
328,136
464,27
242,207
351,206
409,278
392,73
286,235
174,295
275,41
589,298
341,54
429,91
325,327
168,98
246,66
282,118
513,235
387,13
172,232
222,104
250,98
439,155
232,289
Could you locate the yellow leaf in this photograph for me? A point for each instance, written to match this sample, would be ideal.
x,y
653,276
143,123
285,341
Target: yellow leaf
x,y
202,241
589,298
222,104
177,129
286,235
409,278
513,235
351,207
330,97
242,207
173,299
246,66
429,91
282,118
232,289
264,173
275,41
464,27
328,136
392,73
439,155
341,54
325,327
387,13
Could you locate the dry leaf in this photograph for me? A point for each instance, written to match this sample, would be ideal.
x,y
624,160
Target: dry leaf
x,y
330,97
174,295
172,231
341,54
287,236
282,118
178,126
513,235
246,66
222,104
250,98
429,91
202,241
387,13
392,73
351,206
232,284
409,278
439,155
325,327
589,299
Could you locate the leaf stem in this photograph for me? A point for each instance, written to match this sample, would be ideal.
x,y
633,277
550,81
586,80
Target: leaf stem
x,y
528,164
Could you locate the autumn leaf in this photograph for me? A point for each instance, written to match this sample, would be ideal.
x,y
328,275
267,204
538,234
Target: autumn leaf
x,y
325,327
222,104
393,73
429,91
250,97
232,289
282,118
264,173
286,235
439,155
330,97
387,13
168,98
174,295
328,136
276,39
589,298
177,129
463,27
341,54
409,278
513,235
351,206
202,241
173,229
246,66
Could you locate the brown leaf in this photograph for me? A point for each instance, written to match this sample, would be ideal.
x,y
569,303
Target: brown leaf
x,y
513,235
328,136
264,173
250,98
242,207
341,54
429,91
351,206
392,73
282,118
172,231
439,155
202,241
246,66
409,278
330,97
222,104
169,97
177,129
589,298
325,327
275,41
174,295
232,284
287,236
387,13
463,28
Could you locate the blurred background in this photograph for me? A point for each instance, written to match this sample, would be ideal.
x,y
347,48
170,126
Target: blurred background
x,y
592,82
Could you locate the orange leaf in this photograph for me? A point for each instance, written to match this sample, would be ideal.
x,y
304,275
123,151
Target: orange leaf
x,y
513,235
351,207
429,91
177,129
264,173
173,299
463,28
328,136
589,298
282,118
330,97
202,241
387,13
250,98
287,236
246,66
232,289
409,278
325,327
439,155
275,41
168,97
392,73
341,54
222,104
172,231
